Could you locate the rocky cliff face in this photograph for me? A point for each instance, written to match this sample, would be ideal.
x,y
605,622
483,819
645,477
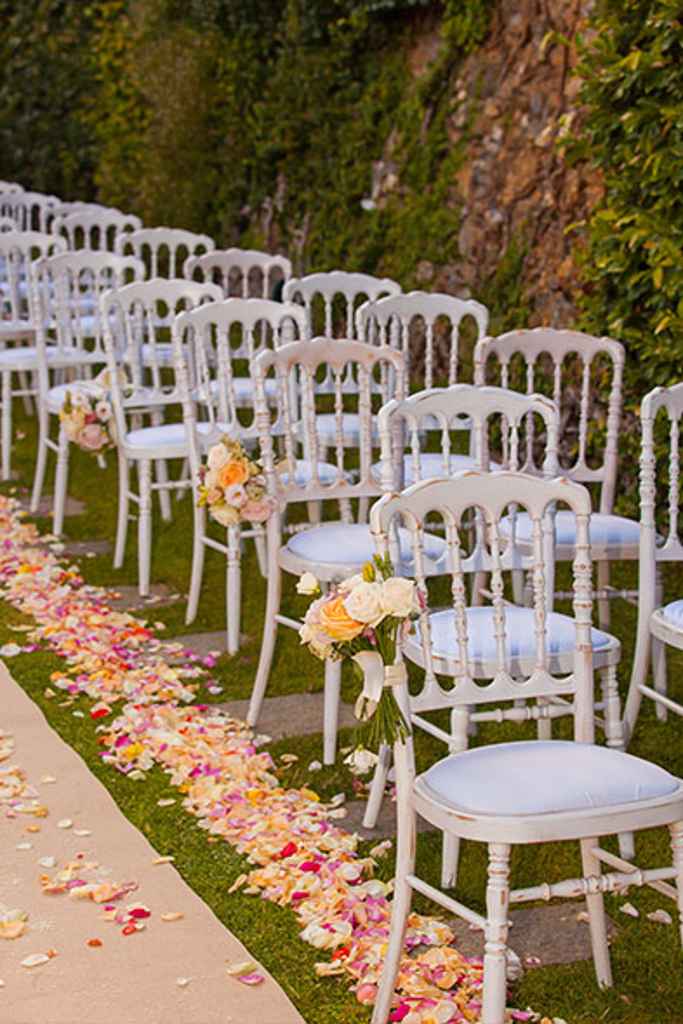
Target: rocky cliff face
x,y
510,102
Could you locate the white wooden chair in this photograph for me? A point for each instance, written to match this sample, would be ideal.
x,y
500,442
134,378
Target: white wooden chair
x,y
132,317
206,341
10,187
69,342
423,325
317,294
659,625
7,224
241,273
164,251
511,794
94,229
332,551
528,437
18,249
613,538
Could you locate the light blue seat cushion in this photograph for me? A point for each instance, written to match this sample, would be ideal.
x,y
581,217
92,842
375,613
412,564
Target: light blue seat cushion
x,y
541,777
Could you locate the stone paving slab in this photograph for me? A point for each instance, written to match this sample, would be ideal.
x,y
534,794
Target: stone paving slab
x,y
72,506
87,548
203,643
129,600
295,714
552,934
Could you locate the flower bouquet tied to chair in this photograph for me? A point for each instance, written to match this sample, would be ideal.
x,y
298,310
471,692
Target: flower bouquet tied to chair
x,y
363,618
232,486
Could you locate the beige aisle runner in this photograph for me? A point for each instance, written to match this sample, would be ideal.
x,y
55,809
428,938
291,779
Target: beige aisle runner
x,y
168,972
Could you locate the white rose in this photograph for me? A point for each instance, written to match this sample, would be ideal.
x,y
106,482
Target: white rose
x,y
235,495
364,603
103,411
398,597
361,761
218,456
349,583
307,584
225,515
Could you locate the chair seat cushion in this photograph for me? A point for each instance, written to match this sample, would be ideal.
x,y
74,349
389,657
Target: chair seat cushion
x,y
519,636
432,464
170,435
542,777
24,357
606,531
352,544
673,612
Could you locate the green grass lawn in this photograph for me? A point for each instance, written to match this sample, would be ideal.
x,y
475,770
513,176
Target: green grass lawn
x,y
646,957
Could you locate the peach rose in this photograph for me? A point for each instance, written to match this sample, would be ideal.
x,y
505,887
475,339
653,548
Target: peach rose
x,y
233,472
337,622
91,437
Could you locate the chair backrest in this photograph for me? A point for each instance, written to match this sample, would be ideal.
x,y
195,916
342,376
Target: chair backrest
x,y
317,294
290,413
583,375
206,341
499,420
7,224
134,317
18,250
163,250
94,229
490,495
31,211
661,541
241,273
11,186
427,327
67,293
209,340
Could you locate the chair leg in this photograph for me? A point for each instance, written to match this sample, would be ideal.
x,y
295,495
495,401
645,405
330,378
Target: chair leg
x,y
496,934
400,909
641,660
676,832
450,844
198,552
26,384
122,517
659,675
261,549
274,591
379,781
6,423
596,913
161,475
61,478
233,580
331,711
614,730
41,457
144,525
363,506
603,605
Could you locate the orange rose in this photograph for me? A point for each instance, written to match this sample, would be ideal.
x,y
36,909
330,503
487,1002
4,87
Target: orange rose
x,y
233,472
337,622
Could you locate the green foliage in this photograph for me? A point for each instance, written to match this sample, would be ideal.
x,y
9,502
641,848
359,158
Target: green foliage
x,y
632,71
45,82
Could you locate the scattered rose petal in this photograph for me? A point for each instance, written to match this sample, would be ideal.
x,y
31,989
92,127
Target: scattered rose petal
x,y
660,917
82,832
166,801
251,979
629,909
65,823
172,915
166,859
241,967
94,943
35,960
183,982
